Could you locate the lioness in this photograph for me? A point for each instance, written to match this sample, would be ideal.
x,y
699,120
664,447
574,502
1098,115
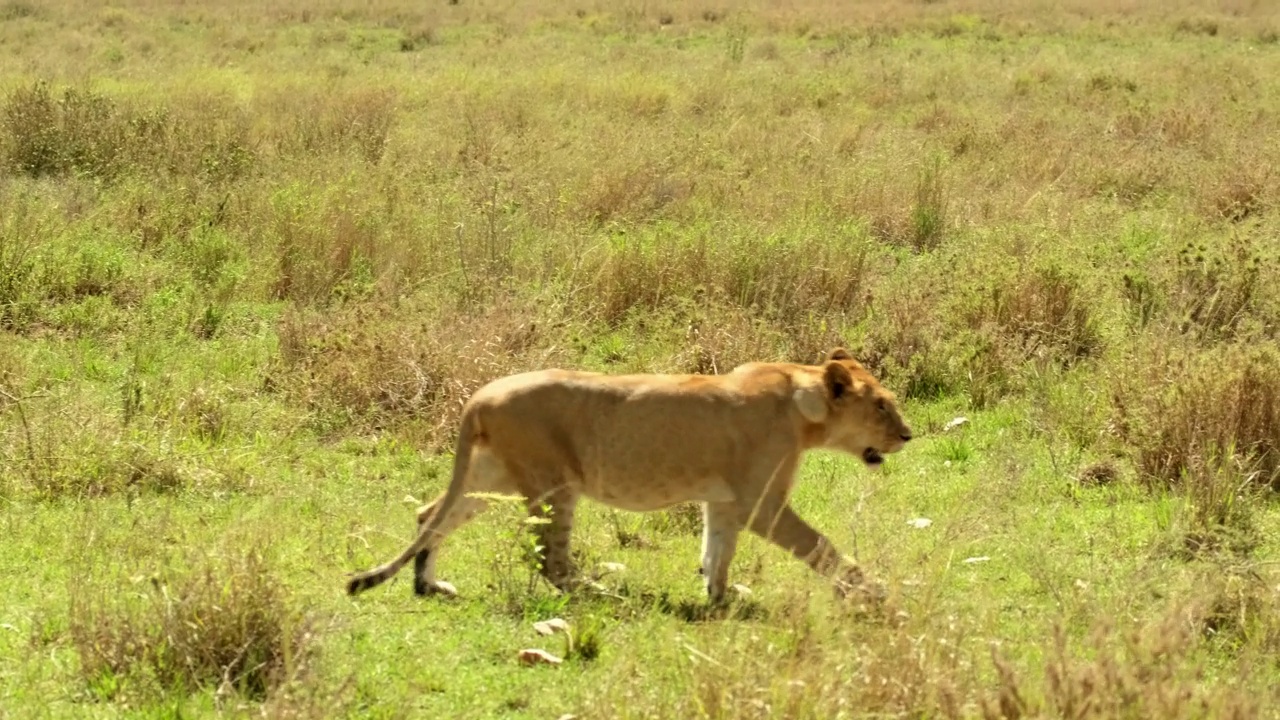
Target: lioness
x,y
643,442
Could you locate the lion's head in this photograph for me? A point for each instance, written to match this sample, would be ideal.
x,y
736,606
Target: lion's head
x,y
858,414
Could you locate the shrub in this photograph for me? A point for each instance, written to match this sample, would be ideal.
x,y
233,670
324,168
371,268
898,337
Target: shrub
x,y
84,132
1221,295
358,121
371,366
1042,314
983,341
795,284
79,131
1181,409
223,624
1220,493
24,227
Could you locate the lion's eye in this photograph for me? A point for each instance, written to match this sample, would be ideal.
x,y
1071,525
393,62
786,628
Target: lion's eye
x,y
881,406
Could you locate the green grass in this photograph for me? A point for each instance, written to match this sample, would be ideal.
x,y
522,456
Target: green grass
x,y
252,261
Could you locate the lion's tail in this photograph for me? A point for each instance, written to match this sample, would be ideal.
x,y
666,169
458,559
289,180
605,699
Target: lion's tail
x,y
469,428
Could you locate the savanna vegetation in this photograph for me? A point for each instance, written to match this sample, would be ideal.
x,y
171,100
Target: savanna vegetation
x,y
253,257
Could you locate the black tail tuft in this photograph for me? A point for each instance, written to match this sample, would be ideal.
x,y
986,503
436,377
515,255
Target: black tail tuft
x,y
360,583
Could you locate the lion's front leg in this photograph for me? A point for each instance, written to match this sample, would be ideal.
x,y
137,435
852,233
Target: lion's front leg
x,y
721,523
785,529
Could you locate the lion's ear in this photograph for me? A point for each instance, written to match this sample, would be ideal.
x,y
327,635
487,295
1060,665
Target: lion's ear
x,y
837,381
811,402
839,354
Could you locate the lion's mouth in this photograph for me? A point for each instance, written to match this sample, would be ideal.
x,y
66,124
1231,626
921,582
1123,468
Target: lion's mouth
x,y
872,457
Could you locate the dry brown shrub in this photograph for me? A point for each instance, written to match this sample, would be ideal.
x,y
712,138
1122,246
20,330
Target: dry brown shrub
x,y
357,120
908,209
1138,672
1131,182
418,37
718,338
404,367
1242,192
905,344
318,251
1180,410
224,624
632,194
1044,314
713,336
803,287
1192,126
1197,26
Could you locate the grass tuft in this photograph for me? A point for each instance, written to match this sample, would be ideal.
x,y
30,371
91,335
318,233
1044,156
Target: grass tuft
x,y
1186,409
224,624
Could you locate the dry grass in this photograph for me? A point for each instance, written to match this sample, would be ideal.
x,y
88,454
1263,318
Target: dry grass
x,y
405,367
222,625
940,667
261,236
1181,409
1149,672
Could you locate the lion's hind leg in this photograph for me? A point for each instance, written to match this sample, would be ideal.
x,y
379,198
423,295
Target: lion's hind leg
x,y
553,512
487,474
425,582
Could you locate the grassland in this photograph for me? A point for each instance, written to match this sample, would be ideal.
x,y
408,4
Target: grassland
x,y
252,259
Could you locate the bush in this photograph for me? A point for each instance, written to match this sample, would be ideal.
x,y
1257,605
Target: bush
x,y
83,132
223,624
1221,295
372,367
1179,410
1042,314
80,131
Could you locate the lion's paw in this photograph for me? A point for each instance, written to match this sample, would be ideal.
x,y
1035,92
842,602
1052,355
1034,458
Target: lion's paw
x,y
439,587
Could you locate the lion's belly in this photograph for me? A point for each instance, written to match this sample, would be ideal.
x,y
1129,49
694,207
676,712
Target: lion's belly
x,y
640,478
654,450
645,493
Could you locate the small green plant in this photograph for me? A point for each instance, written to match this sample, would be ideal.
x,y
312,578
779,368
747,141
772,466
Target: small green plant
x,y
1220,490
954,450
929,213
1142,297
736,44
585,639
517,561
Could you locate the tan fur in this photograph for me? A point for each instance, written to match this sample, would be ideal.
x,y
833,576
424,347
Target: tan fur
x,y
643,442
